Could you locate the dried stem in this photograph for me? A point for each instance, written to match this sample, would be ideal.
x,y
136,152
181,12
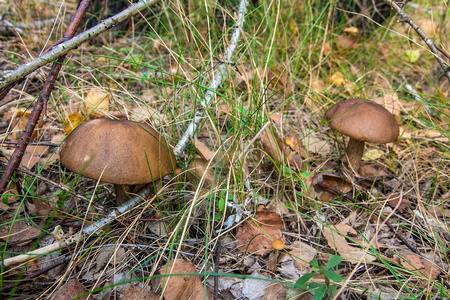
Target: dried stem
x,y
434,49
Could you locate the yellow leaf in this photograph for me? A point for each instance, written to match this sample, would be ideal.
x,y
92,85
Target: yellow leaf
x,y
293,27
372,154
96,103
337,78
73,121
351,30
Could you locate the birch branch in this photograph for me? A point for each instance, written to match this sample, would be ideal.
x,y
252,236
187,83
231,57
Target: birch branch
x,y
430,43
216,81
86,232
63,48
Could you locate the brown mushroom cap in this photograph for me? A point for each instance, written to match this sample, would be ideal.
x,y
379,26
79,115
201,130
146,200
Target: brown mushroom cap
x,y
363,120
124,151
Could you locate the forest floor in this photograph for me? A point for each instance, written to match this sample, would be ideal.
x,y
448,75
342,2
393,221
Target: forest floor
x,y
265,206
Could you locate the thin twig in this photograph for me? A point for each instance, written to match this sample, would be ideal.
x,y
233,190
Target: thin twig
x,y
71,43
221,73
406,18
41,103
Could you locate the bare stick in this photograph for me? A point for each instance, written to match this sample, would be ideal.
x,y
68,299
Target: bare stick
x,y
406,18
71,43
86,232
216,81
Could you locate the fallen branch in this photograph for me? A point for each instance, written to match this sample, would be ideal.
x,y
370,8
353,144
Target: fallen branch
x,y
72,42
220,74
430,43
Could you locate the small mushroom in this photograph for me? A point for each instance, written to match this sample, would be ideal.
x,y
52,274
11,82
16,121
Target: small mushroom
x,y
363,121
121,152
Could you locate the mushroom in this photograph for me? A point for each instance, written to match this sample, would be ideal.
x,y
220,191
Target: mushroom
x,y
363,121
121,152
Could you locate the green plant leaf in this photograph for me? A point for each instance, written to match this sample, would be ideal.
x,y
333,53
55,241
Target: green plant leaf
x,y
320,292
221,204
334,261
217,216
332,275
304,279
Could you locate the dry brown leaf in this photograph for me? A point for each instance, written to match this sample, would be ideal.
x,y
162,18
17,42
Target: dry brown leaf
x,y
412,262
244,77
70,290
339,243
278,150
428,26
203,150
346,42
96,103
185,286
337,78
256,235
391,102
21,233
279,81
19,119
137,293
276,291
395,199
199,168
326,48
277,118
315,144
302,254
335,182
367,171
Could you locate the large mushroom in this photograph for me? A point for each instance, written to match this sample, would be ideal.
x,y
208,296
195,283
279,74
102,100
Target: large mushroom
x,y
121,152
363,121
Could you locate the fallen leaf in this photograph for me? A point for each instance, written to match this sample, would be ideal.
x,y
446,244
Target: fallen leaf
x,y
185,286
302,254
372,154
411,55
428,26
337,79
96,103
70,290
21,233
203,150
256,235
244,77
367,171
395,200
279,81
337,241
19,119
198,168
352,30
345,42
326,48
314,143
331,185
412,261
293,28
137,293
277,118
391,102
72,121
279,151
275,291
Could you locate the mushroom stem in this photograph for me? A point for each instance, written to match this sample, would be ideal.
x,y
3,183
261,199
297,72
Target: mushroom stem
x,y
354,153
121,193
